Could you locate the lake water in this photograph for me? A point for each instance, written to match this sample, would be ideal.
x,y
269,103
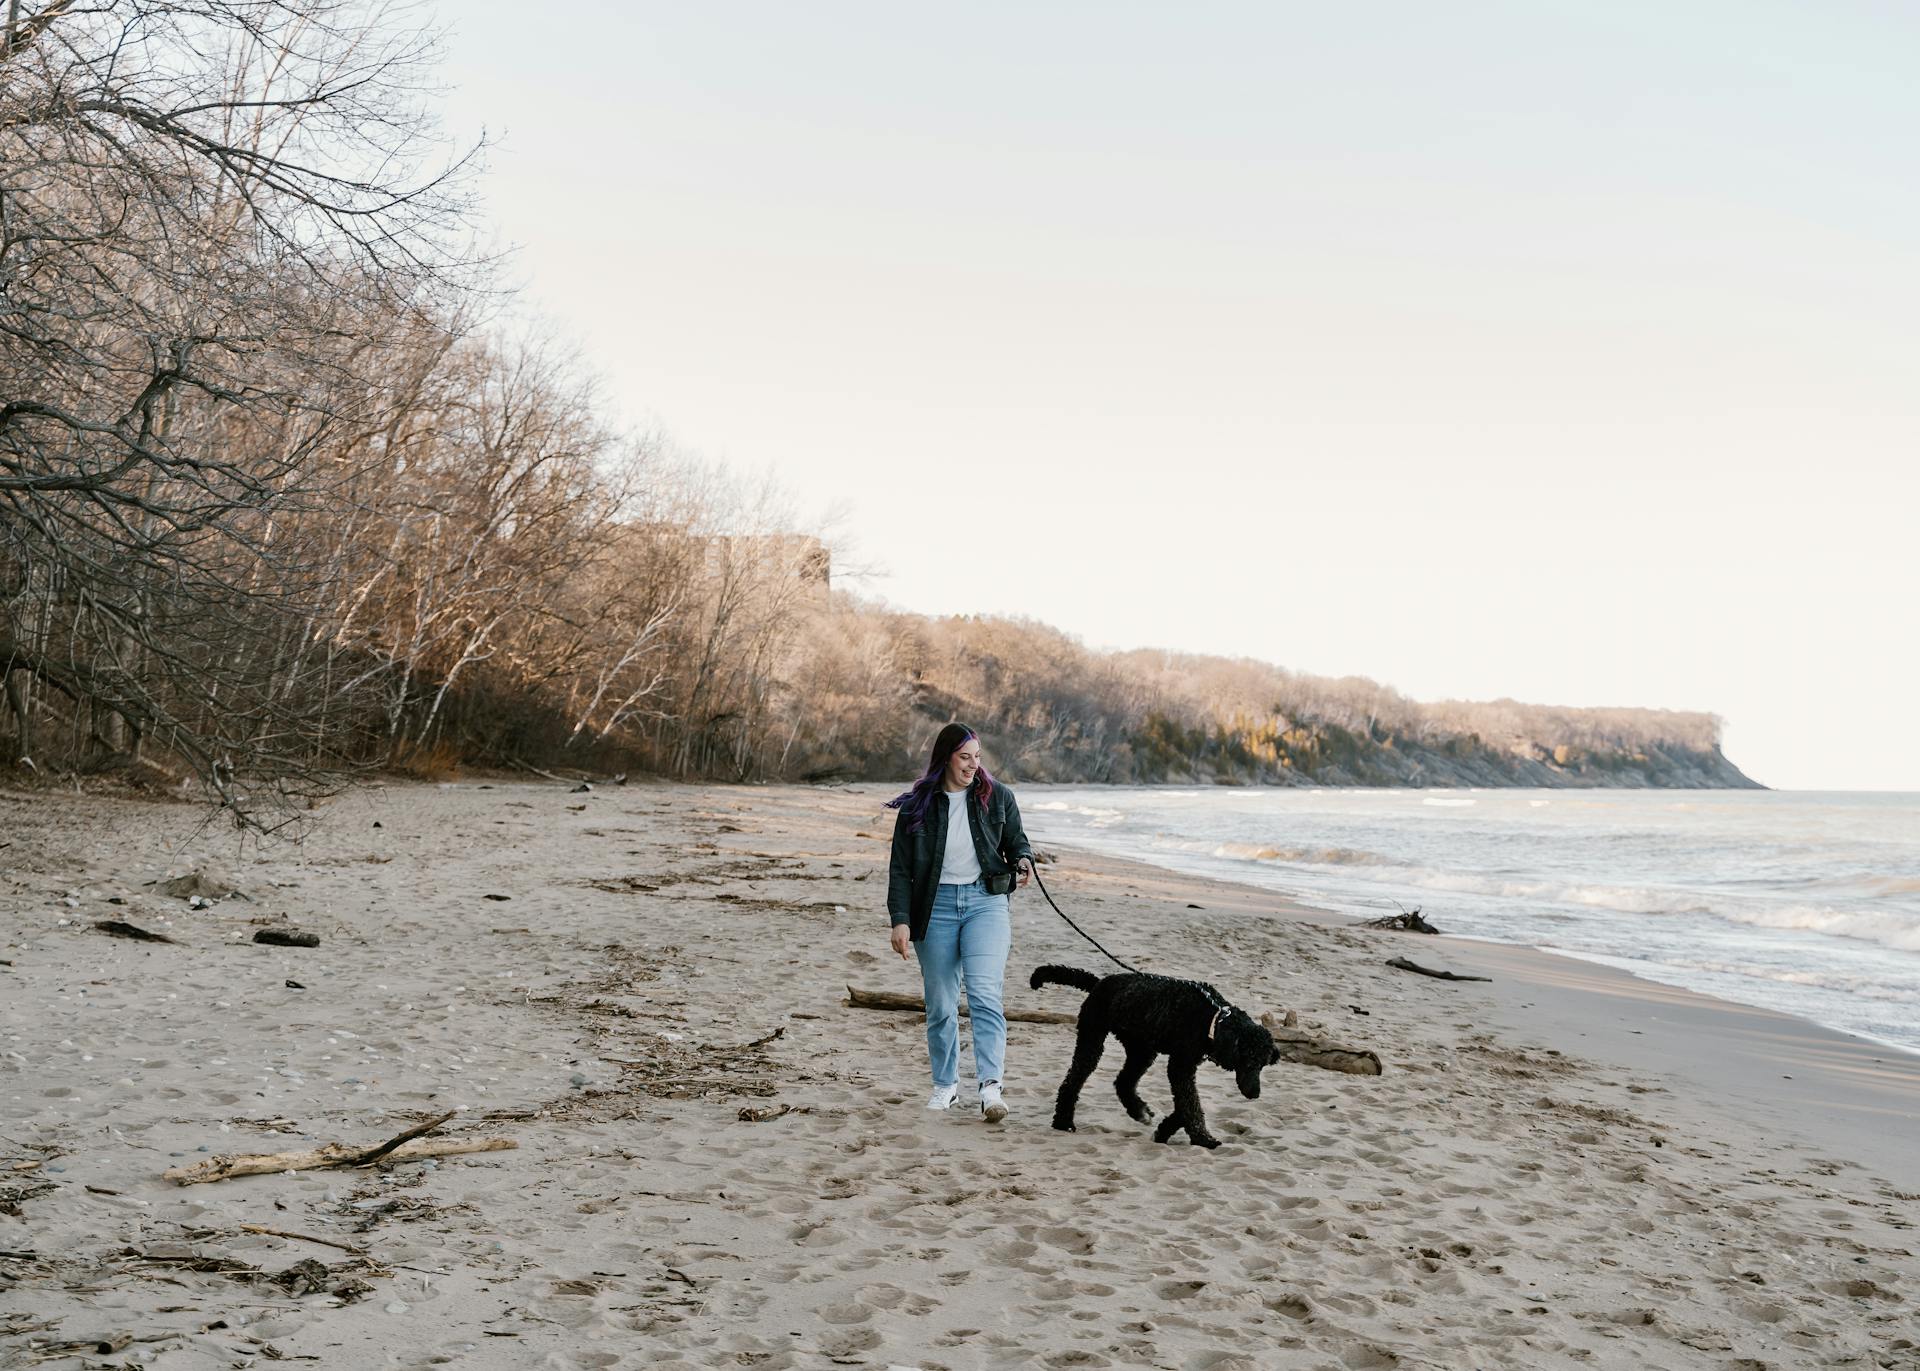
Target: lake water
x,y
1804,902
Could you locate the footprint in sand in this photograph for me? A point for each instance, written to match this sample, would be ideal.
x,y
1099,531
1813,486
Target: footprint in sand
x,y
883,1296
1295,1307
847,1344
1074,1240
1178,1290
846,1313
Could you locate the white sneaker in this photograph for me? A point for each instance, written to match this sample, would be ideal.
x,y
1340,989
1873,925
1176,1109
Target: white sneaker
x,y
992,1108
943,1096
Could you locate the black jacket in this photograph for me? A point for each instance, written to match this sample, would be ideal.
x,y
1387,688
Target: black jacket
x,y
998,841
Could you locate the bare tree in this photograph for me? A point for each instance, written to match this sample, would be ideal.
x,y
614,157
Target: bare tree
x,y
219,219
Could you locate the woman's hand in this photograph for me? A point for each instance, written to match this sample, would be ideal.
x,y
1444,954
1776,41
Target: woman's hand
x,y
900,939
1025,867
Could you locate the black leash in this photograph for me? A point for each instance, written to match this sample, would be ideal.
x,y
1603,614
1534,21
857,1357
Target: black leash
x,y
1035,866
1212,995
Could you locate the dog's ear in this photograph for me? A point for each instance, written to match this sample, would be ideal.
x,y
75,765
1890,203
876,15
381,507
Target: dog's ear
x,y
1245,1041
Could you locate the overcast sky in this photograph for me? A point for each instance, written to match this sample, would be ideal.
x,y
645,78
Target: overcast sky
x,y
1557,351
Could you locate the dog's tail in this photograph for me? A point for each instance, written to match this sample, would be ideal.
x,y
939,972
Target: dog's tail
x,y
1062,975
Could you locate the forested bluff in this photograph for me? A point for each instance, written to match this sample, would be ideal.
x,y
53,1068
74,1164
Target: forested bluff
x,y
1052,710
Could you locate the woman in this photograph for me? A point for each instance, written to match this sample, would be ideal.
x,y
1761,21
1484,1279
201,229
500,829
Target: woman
x,y
958,853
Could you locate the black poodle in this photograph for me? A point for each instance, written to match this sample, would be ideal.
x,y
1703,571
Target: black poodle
x,y
1149,1014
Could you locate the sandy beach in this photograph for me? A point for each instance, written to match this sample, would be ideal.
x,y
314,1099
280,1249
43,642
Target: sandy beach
x,y
721,1164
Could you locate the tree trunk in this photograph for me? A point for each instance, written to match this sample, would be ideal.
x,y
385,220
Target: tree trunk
x,y
17,686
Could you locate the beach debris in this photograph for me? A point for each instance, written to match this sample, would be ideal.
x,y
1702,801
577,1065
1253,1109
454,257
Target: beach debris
x,y
491,896
407,1146
1406,921
286,937
74,1347
893,999
303,1237
764,1113
16,1192
294,985
117,928
584,788
624,885
1402,964
302,1278
1295,1044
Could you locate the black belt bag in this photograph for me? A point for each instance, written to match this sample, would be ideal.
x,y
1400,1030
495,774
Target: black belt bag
x,y
998,882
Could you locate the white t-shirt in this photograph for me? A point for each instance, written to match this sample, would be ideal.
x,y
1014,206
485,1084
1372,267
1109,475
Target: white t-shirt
x,y
961,864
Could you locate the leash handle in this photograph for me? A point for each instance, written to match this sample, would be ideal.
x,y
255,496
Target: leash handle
x,y
1070,923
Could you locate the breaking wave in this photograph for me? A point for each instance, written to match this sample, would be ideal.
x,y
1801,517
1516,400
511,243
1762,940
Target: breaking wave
x,y
1314,856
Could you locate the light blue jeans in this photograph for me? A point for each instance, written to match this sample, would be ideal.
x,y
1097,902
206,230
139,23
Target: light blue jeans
x,y
968,938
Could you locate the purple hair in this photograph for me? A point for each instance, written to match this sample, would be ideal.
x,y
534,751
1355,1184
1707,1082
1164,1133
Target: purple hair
x,y
914,801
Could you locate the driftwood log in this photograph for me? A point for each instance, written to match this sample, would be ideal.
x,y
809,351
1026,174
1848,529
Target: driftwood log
x,y
286,937
1295,1044
407,1146
1402,964
893,999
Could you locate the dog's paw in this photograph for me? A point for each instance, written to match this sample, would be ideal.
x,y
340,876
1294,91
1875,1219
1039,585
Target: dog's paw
x,y
1206,1140
1060,1127
1144,1114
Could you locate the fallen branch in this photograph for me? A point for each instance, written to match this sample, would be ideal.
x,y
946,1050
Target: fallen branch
x,y
302,1237
1403,964
286,937
111,1342
893,999
116,928
1295,1044
375,1154
407,1147
1407,921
